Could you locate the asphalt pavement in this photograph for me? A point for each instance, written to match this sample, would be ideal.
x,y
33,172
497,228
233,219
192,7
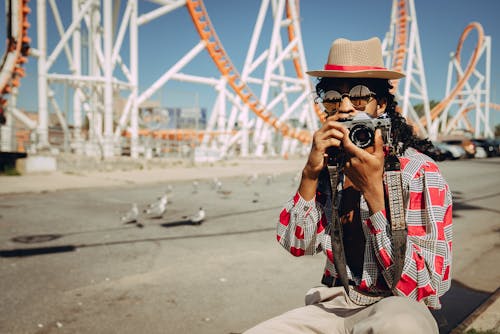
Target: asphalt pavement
x,y
69,265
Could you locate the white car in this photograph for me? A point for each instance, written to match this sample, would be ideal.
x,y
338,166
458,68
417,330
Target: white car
x,y
480,152
456,151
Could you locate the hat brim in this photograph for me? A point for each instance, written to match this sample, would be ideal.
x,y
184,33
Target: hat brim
x,y
375,74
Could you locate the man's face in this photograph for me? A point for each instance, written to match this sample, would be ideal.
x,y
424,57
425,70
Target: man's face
x,y
345,98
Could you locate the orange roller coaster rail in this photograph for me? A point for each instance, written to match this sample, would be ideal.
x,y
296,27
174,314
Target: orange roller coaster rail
x,y
438,109
223,63
16,54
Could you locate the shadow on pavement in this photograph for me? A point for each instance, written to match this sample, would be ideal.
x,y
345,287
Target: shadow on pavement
x,y
458,303
24,252
459,203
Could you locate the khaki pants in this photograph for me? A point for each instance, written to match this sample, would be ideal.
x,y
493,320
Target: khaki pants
x,y
328,310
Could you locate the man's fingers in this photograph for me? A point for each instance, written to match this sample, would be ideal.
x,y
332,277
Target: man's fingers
x,y
353,150
350,147
331,133
379,143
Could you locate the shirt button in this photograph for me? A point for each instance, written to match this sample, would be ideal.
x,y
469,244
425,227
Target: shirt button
x,y
306,208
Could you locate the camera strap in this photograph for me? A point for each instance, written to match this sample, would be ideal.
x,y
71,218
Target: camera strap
x,y
399,231
339,260
393,182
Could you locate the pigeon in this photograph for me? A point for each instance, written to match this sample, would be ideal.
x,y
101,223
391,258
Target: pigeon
x,y
218,186
198,218
131,216
214,182
251,179
225,193
195,187
161,200
157,209
256,196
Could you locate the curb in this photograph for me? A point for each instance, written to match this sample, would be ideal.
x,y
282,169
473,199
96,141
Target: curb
x,y
464,325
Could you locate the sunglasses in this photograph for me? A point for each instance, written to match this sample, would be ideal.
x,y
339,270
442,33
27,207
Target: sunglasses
x,y
359,96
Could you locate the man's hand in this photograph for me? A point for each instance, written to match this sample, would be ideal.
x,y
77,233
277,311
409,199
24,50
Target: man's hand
x,y
365,169
330,134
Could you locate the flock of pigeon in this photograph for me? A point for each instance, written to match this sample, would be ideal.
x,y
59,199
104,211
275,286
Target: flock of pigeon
x,y
158,208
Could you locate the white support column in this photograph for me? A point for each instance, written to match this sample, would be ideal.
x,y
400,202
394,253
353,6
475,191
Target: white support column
x,y
247,68
108,77
488,131
7,131
43,113
77,70
134,73
261,128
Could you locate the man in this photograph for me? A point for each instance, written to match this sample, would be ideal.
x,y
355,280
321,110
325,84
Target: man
x,y
378,208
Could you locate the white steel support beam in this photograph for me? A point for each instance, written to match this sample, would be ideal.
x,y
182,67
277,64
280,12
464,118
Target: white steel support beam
x,y
412,90
134,74
43,112
60,29
168,74
77,70
108,75
488,131
260,137
166,8
93,42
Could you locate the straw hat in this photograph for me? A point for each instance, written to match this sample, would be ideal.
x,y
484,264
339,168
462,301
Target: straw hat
x,y
356,59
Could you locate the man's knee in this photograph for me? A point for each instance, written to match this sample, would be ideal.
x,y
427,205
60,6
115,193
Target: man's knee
x,y
395,315
407,323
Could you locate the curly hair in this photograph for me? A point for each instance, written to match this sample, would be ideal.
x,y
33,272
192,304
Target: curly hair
x,y
401,132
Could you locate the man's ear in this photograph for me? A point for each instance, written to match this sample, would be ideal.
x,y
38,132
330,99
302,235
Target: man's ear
x,y
381,106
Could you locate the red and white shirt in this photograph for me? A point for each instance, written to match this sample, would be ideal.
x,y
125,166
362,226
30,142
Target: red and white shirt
x,y
303,230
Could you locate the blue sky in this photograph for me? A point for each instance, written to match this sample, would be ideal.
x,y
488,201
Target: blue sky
x,y
166,39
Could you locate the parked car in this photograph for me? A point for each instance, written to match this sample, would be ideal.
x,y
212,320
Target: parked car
x,y
466,144
488,145
452,152
480,152
438,152
496,142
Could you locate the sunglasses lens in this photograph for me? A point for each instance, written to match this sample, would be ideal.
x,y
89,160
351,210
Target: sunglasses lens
x,y
331,100
360,95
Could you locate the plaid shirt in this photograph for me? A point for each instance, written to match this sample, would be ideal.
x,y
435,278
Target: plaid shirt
x,y
303,230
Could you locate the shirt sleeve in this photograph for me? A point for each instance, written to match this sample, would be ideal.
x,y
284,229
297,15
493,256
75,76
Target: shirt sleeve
x,y
301,226
427,265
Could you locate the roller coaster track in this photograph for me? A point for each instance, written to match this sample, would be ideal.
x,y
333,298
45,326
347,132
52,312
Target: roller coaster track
x,y
18,45
463,115
222,61
400,42
296,61
436,111
16,54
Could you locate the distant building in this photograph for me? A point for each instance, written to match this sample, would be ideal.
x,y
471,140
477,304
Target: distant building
x,y
158,118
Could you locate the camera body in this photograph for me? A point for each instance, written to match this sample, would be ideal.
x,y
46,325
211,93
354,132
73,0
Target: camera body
x,y
362,133
362,129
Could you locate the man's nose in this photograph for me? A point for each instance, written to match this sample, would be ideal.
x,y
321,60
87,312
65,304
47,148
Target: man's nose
x,y
346,105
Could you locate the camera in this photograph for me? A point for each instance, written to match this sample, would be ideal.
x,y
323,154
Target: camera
x,y
362,129
362,133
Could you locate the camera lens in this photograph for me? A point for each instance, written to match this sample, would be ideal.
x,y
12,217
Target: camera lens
x,y
362,136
